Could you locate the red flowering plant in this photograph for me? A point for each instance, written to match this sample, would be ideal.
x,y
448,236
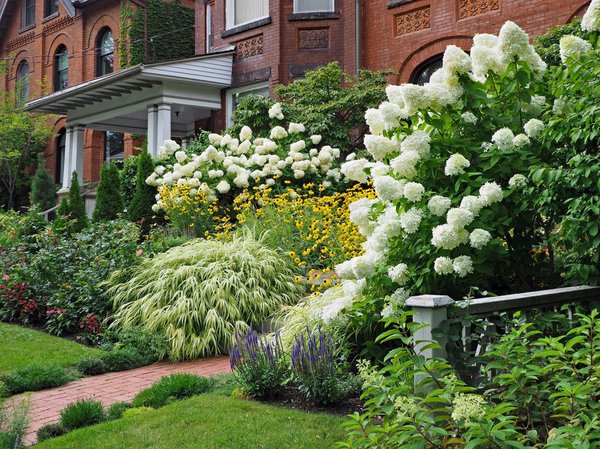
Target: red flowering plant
x,y
16,302
91,329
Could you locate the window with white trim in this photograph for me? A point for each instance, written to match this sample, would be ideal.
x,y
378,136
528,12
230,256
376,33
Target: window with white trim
x,y
240,12
313,6
28,18
114,147
22,83
209,32
234,96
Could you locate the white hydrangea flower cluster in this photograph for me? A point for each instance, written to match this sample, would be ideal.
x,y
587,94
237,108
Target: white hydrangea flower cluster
x,y
231,163
572,47
491,53
591,18
467,407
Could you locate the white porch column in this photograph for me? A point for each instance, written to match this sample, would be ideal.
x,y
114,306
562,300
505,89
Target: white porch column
x,y
152,129
77,144
163,128
66,169
185,142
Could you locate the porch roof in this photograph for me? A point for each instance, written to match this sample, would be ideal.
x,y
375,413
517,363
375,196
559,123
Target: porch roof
x,y
123,101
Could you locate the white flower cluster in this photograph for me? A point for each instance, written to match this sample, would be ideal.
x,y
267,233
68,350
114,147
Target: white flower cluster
x,y
491,53
468,407
572,47
591,18
462,266
230,162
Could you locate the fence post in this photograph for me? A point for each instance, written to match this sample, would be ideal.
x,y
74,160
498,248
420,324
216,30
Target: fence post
x,y
431,310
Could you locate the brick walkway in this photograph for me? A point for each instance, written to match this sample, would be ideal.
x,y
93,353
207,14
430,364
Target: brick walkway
x,y
45,406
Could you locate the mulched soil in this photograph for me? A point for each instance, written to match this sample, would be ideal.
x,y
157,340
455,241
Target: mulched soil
x,y
292,398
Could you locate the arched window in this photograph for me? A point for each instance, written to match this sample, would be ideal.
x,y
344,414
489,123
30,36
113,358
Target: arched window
x,y
106,52
61,68
423,73
23,83
60,155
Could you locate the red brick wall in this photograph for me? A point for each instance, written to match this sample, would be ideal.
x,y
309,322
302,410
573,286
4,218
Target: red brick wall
x,y
276,51
38,45
403,37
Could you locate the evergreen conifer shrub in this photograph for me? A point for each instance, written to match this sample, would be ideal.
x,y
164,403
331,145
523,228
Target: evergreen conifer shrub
x,y
140,209
43,191
76,206
109,199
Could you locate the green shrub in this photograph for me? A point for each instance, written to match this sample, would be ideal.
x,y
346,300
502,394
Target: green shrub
x,y
123,359
205,291
168,389
542,391
43,188
116,410
13,425
37,376
73,209
84,412
91,366
140,208
51,430
128,176
109,200
63,273
154,347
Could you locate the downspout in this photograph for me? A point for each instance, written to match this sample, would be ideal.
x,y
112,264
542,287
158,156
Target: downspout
x,y
358,36
142,4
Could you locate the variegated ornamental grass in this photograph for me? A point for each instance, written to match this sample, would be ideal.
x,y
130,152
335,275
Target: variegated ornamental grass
x,y
198,295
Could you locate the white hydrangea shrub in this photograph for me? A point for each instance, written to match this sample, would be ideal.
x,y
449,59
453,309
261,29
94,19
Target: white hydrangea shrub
x,y
445,167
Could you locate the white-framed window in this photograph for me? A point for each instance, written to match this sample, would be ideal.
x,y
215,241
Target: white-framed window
x,y
208,18
234,96
240,12
313,5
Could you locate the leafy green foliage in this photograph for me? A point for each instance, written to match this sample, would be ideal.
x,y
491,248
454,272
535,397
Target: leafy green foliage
x,y
568,186
140,208
327,101
128,176
170,388
541,392
113,361
63,273
85,412
109,200
51,430
152,346
22,136
170,27
43,189
548,45
36,376
204,291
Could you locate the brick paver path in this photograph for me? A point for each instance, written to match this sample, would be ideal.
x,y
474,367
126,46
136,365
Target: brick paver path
x,y
45,406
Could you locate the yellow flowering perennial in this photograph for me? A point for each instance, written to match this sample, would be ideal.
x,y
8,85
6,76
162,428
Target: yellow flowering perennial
x,y
313,228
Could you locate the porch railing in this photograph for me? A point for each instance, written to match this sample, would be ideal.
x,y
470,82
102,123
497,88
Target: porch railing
x,y
437,310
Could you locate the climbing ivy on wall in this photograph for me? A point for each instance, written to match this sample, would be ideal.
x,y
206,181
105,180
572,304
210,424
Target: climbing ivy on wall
x,y
170,32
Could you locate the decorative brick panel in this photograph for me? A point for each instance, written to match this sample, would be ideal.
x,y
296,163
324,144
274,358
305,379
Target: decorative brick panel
x,y
310,39
249,47
58,24
471,8
412,21
21,40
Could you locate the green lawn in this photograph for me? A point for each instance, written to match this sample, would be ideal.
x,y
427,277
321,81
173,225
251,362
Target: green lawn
x,y
209,422
20,346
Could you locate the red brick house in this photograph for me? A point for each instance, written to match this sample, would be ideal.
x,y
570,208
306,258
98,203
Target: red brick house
x,y
241,46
